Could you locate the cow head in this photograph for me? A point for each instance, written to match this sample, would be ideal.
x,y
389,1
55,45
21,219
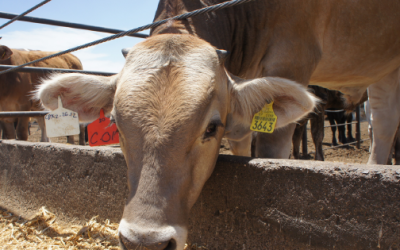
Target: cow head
x,y
5,53
172,102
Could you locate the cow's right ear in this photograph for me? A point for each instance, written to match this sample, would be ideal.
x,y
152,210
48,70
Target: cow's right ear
x,y
125,51
85,94
5,52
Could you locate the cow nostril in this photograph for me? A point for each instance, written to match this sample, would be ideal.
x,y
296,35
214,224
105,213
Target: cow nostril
x,y
125,244
171,245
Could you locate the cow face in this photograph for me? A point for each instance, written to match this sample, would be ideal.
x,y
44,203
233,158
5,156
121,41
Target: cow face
x,y
172,102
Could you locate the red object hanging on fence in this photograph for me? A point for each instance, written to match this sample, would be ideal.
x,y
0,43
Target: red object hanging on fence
x,y
101,133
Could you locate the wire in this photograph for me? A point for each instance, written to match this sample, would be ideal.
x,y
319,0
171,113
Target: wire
x,y
32,19
23,14
145,27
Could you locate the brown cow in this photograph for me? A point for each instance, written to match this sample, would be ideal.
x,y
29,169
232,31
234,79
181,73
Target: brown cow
x,y
15,88
173,101
340,45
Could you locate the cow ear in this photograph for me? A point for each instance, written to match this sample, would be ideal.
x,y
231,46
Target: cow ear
x,y
5,52
291,102
125,51
85,94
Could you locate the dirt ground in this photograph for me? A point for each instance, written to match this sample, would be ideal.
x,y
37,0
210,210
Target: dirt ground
x,y
43,231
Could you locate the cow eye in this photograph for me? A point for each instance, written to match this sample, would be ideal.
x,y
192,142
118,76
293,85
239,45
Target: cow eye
x,y
211,129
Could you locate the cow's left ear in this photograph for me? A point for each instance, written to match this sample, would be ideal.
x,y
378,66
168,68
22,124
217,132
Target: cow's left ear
x,y
291,102
5,52
85,94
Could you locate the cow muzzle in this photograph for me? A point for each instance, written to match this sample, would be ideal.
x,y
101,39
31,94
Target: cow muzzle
x,y
129,245
132,237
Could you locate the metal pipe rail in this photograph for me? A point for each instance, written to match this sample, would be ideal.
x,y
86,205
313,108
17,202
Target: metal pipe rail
x,y
17,114
335,111
341,124
67,24
17,17
184,16
53,70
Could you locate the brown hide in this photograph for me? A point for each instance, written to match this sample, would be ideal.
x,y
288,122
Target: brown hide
x,y
16,87
306,41
337,44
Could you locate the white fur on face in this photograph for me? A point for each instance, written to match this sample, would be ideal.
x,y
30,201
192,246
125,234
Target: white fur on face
x,y
135,233
85,94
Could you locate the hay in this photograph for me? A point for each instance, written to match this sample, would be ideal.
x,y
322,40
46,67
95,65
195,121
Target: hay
x,y
43,232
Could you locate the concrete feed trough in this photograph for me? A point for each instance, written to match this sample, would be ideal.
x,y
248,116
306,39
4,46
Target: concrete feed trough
x,y
246,204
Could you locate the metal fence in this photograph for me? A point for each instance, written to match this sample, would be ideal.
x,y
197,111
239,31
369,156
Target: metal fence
x,y
357,135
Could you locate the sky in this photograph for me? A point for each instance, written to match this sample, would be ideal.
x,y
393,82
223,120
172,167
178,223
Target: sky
x,y
117,14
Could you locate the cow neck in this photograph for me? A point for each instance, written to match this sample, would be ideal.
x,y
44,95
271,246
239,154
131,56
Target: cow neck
x,y
237,30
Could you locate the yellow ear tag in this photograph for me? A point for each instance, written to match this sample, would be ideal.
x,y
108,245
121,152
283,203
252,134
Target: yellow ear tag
x,y
3,55
265,120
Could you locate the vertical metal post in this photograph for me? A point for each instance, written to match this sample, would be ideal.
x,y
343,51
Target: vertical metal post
x,y
358,127
304,141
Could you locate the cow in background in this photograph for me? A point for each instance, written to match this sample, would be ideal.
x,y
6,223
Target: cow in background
x,y
336,117
330,99
15,89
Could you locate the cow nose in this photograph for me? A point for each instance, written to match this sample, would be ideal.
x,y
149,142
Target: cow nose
x,y
128,245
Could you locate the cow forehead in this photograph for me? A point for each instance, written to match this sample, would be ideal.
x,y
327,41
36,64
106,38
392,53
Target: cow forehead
x,y
164,98
166,83
183,50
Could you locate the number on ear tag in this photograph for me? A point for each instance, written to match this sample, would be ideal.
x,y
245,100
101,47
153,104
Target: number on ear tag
x,y
265,120
61,122
100,133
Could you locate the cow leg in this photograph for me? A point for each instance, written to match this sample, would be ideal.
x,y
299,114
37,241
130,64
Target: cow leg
x,y
385,109
370,134
390,157
8,130
276,145
397,149
332,122
22,128
243,147
86,134
82,134
393,151
42,126
367,109
317,132
349,119
341,119
297,137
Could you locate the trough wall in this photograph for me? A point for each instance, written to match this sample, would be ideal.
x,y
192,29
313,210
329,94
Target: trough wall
x,y
246,204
